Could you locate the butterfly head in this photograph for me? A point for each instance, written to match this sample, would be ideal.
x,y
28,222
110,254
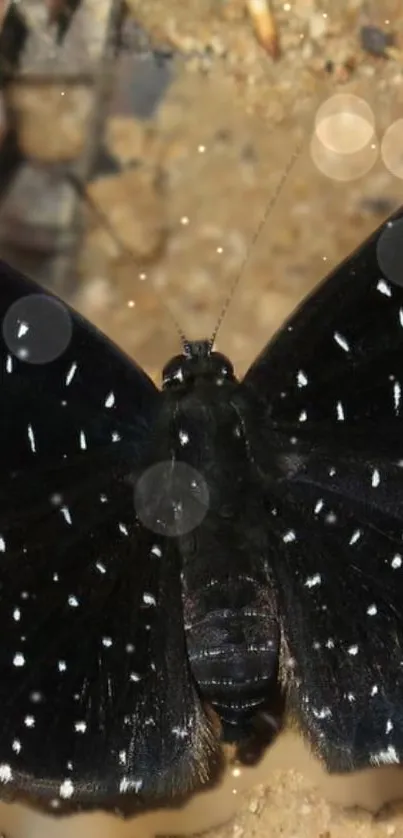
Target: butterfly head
x,y
198,362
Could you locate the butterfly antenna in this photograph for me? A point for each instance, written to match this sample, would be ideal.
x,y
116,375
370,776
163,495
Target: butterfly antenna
x,y
273,200
104,220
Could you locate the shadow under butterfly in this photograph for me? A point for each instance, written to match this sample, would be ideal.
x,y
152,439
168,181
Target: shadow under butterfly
x,y
204,546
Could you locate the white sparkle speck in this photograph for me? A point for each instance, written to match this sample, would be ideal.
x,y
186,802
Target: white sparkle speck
x,y
353,650
372,610
374,690
318,506
156,551
396,561
110,400
303,416
16,746
123,529
83,441
289,536
389,726
183,437
2,545
73,601
101,567
29,721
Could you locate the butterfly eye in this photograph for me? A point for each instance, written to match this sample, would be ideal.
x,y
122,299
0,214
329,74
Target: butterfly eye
x,y
174,373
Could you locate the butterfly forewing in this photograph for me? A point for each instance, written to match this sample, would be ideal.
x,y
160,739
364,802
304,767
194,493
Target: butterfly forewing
x,y
90,601
329,449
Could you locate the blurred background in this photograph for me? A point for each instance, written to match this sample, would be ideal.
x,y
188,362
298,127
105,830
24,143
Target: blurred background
x,y
141,144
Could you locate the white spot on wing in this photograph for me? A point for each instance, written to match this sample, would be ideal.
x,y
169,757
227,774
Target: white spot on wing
x,y
19,659
313,581
341,341
66,789
66,514
130,785
355,537
110,400
73,601
80,727
340,412
149,599
397,394
385,757
384,288
70,374
6,775
31,438
376,478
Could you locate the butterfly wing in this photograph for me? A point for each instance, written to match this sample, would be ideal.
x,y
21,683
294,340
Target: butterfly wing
x,y
97,706
330,457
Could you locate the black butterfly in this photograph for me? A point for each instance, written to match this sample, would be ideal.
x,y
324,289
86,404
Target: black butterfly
x,y
162,552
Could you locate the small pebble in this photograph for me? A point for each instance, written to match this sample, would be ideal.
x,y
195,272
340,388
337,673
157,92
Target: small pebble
x,y
375,41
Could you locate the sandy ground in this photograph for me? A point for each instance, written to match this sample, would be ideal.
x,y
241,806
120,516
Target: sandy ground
x,y
209,159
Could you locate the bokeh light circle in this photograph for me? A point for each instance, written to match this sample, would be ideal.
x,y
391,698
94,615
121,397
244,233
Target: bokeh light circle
x,y
37,328
171,498
392,148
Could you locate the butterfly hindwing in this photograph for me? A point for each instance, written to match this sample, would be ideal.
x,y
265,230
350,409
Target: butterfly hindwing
x,y
329,450
97,705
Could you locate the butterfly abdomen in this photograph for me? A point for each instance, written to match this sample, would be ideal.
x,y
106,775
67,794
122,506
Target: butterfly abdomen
x,y
232,633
